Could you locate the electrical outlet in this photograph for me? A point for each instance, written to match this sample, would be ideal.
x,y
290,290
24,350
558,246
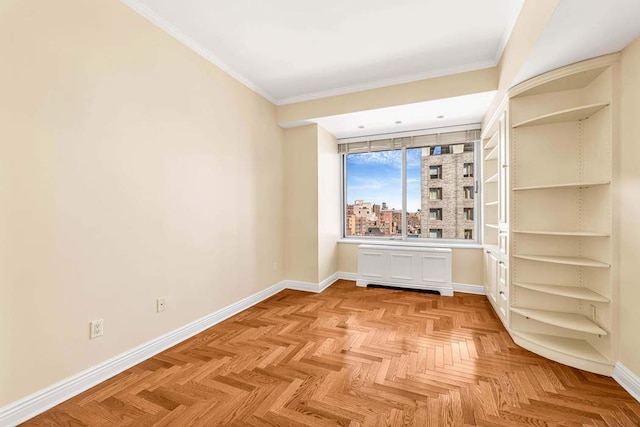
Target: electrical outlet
x,y
161,304
96,328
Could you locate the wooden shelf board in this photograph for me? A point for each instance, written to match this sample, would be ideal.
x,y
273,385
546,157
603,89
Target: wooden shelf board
x,y
493,141
568,115
564,233
495,203
561,186
493,154
491,226
492,178
568,260
576,322
571,346
564,291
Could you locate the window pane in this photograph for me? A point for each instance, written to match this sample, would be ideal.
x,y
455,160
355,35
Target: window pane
x,y
374,194
440,190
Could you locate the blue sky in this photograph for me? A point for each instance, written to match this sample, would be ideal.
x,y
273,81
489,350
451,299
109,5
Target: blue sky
x,y
377,177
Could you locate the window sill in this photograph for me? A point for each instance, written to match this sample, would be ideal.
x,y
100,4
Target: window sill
x,y
405,243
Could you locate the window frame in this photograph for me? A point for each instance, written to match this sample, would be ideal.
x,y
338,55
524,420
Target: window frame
x,y
403,238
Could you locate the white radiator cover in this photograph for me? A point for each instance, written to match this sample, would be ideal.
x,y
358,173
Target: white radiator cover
x,y
408,267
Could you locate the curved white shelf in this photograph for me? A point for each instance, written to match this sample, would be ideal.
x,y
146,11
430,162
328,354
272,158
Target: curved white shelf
x,y
576,322
571,346
568,115
492,203
564,233
493,141
493,154
491,226
560,186
564,291
492,178
567,260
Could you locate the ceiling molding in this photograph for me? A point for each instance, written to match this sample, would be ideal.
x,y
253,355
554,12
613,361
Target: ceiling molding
x,y
193,45
388,82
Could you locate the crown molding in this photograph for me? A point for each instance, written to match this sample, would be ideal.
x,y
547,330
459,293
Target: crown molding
x,y
154,18
388,82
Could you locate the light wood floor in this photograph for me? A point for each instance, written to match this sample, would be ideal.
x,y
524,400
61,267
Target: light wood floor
x,y
355,357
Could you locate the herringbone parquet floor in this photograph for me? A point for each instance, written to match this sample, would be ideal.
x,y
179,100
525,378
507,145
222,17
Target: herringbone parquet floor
x,y
354,357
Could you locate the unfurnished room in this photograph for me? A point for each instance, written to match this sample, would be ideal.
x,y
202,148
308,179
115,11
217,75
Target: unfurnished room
x,y
303,213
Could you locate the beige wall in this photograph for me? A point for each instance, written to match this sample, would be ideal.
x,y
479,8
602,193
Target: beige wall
x,y
301,213
532,20
130,168
629,190
466,263
329,204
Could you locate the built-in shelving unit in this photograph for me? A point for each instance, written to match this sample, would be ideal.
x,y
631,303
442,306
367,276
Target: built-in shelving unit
x,y
492,178
576,322
571,114
565,291
561,264
493,154
567,260
568,185
574,348
564,233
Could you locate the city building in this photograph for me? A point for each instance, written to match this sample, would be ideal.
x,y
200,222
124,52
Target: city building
x,y
448,184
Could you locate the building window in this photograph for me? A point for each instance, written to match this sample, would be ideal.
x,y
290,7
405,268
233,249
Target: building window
x,y
435,193
387,191
435,172
435,214
468,192
467,213
435,233
467,170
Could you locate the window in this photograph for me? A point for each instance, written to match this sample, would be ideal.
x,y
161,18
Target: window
x,y
435,214
389,192
435,193
468,192
467,214
435,172
467,170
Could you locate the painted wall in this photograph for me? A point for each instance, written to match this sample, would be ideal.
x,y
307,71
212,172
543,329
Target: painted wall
x,y
130,168
532,20
329,221
467,267
301,213
629,191
406,93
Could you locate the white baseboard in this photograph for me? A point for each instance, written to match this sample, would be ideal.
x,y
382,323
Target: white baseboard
x,y
345,275
38,402
469,289
627,379
312,287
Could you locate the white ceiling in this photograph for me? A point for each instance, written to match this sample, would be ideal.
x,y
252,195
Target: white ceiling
x,y
293,50
583,29
460,110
